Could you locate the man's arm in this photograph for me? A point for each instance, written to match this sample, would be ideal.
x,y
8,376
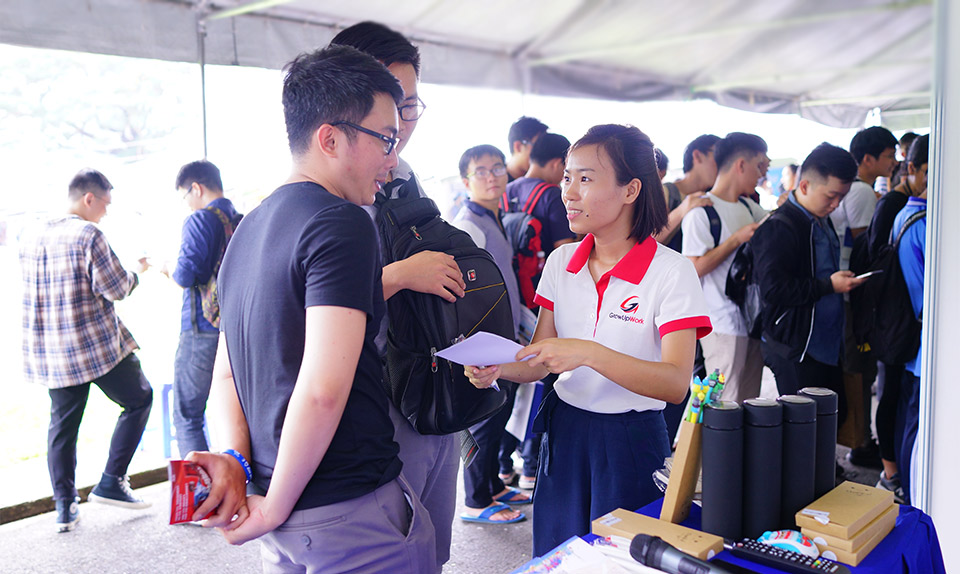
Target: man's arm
x,y
713,258
675,217
196,258
332,344
107,276
426,272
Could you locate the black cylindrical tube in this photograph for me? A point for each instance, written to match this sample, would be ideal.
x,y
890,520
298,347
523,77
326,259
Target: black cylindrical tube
x,y
762,465
722,482
825,473
799,451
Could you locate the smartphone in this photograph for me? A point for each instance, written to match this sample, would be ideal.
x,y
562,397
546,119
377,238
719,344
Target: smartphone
x,y
868,274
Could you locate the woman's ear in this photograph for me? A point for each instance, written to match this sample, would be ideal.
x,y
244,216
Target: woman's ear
x,y
633,188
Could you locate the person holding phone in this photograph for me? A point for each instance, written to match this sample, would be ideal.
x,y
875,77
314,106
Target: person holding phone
x,y
619,318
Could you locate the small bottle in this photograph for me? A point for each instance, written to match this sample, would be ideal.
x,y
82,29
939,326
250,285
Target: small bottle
x,y
825,473
799,452
762,465
722,482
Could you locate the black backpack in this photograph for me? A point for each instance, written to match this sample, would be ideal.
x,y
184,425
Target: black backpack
x,y
432,393
882,305
741,286
523,232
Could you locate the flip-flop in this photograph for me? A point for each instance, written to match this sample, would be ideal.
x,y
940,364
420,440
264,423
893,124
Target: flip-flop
x,y
484,517
510,497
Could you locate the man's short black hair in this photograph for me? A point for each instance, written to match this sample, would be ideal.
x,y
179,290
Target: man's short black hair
x,y
631,152
86,181
202,172
333,84
906,140
871,141
702,144
919,152
476,153
382,43
663,162
549,147
525,129
735,146
828,160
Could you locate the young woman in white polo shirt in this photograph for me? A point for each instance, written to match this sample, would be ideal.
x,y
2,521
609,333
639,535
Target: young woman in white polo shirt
x,y
619,318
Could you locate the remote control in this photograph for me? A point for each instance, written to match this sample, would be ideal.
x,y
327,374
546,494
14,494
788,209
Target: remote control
x,y
785,560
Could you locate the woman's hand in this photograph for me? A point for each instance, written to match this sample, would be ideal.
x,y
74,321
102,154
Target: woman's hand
x,y
482,377
258,523
558,355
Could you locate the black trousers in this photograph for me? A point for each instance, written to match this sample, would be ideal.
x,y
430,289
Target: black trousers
x,y
480,479
125,385
792,376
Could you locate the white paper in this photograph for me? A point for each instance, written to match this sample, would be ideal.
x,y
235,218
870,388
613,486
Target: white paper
x,y
483,350
520,417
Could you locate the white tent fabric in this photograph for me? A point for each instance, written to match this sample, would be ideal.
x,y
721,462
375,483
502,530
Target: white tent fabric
x,y
831,61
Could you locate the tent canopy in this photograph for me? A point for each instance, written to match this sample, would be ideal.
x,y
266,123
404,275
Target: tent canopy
x,y
831,61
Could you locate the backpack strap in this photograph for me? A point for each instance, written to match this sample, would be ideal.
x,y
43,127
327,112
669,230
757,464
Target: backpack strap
x,y
504,203
746,204
910,221
535,196
714,218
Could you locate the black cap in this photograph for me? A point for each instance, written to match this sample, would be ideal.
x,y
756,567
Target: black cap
x,y
797,409
826,399
761,412
723,415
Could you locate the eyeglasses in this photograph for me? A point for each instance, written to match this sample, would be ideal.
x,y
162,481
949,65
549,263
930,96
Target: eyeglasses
x,y
482,172
186,193
388,142
412,112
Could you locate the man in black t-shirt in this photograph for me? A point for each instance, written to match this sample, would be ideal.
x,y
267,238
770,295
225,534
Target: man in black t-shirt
x,y
297,378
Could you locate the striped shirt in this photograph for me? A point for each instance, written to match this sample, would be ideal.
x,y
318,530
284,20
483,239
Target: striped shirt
x,y
71,277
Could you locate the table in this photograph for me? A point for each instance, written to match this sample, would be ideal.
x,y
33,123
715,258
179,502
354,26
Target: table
x,y
911,547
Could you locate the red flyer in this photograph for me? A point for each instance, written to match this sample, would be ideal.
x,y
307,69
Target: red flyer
x,y
189,487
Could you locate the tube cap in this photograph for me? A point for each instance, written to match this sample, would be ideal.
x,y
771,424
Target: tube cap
x,y
723,415
761,412
827,401
797,409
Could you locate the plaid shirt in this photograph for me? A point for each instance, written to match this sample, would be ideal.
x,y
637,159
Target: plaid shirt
x,y
71,276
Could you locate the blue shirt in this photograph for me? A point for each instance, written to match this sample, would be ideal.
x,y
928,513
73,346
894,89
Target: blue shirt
x,y
200,243
549,210
911,252
826,341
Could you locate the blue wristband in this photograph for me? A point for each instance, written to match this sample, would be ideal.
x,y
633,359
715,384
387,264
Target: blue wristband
x,y
243,462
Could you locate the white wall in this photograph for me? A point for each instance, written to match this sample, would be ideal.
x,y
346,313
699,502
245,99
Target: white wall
x,y
938,457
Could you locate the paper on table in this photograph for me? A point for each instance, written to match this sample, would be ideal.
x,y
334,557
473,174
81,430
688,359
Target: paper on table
x,y
482,349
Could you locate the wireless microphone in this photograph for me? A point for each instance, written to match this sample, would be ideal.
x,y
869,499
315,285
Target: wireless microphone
x,y
652,551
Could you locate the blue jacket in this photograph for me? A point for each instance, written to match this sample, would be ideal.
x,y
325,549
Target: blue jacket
x,y
200,244
911,252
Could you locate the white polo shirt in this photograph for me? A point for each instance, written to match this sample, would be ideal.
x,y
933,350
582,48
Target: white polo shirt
x,y
652,291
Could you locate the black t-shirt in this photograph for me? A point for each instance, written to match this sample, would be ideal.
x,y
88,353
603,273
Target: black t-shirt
x,y
305,247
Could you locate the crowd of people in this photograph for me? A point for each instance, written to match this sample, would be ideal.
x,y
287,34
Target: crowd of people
x,y
284,321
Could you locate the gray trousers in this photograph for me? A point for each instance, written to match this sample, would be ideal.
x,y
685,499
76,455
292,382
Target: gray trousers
x,y
387,530
430,465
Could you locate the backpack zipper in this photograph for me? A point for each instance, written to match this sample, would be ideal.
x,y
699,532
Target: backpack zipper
x,y
413,228
433,359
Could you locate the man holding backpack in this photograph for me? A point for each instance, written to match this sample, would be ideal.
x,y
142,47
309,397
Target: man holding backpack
x,y
710,240
205,235
796,260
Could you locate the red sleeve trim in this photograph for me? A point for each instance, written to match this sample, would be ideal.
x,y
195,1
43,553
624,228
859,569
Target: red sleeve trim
x,y
544,302
702,324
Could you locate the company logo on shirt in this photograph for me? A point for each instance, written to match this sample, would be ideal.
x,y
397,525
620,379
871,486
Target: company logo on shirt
x,y
629,307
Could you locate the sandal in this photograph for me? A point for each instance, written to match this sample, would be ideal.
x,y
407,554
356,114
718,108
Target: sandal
x,y
485,516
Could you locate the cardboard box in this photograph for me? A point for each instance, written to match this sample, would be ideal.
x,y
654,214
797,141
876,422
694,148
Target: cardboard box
x,y
683,475
884,522
627,524
853,557
845,510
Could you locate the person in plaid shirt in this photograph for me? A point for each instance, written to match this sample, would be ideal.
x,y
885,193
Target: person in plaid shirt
x,y
72,337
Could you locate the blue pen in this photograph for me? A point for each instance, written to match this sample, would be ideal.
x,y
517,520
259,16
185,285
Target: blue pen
x,y
493,385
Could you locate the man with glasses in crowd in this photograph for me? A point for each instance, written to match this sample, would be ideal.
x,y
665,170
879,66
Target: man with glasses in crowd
x,y
72,337
430,462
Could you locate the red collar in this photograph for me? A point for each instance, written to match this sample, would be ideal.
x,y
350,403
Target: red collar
x,y
631,268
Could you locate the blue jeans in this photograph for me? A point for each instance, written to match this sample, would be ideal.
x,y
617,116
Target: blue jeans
x,y
192,372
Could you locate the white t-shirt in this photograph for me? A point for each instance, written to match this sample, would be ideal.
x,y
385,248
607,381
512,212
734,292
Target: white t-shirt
x,y
697,241
855,211
652,291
